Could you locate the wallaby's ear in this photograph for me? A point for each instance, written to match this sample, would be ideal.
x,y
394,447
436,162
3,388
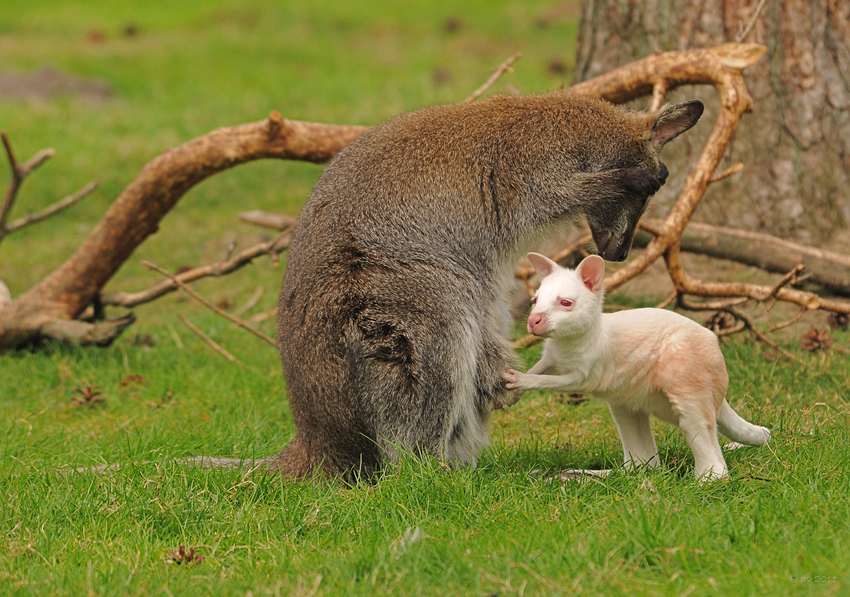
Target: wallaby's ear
x,y
591,271
542,264
674,121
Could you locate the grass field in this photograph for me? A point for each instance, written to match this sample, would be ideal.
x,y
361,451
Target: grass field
x,y
779,526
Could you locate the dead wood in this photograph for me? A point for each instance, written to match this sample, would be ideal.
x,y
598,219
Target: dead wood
x,y
135,215
500,70
19,173
268,220
209,305
66,292
209,341
50,210
656,75
824,268
273,248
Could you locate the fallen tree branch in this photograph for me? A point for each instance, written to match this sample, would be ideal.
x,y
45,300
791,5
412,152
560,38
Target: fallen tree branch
x,y
69,289
210,342
273,247
497,72
209,305
744,320
775,255
85,333
51,209
19,173
684,284
268,220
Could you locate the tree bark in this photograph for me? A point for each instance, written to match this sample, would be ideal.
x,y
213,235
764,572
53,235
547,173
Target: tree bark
x,y
796,144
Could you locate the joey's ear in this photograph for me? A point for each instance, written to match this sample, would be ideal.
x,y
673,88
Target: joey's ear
x,y
542,264
591,271
674,121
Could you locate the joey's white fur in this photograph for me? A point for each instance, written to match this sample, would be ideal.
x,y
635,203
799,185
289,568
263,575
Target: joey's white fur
x,y
641,362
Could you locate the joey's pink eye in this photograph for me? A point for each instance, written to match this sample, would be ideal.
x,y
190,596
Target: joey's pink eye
x,y
534,300
566,303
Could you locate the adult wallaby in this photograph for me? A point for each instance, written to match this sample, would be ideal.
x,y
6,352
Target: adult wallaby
x,y
640,361
393,310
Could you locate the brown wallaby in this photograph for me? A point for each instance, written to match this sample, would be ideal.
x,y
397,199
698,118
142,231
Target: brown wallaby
x,y
393,310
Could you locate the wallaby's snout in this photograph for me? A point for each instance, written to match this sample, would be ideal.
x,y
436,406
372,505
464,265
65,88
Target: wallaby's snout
x,y
611,249
613,244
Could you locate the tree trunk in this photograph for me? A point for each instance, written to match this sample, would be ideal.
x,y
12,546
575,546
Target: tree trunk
x,y
796,143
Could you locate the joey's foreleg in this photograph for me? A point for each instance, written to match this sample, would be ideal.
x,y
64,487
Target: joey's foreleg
x,y
543,366
570,382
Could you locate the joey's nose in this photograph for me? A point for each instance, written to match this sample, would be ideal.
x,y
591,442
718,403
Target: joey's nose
x,y
535,323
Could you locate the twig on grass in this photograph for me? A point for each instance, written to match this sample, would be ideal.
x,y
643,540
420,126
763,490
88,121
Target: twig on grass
x,y
212,343
273,247
268,220
497,72
789,278
209,305
791,321
740,317
251,302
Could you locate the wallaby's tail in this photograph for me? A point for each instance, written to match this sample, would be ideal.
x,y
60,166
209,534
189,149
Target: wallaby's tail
x,y
731,425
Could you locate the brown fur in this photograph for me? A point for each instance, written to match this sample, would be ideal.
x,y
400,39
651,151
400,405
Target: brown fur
x,y
392,309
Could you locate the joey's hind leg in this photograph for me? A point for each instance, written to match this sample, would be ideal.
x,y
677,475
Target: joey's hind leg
x,y
700,431
636,435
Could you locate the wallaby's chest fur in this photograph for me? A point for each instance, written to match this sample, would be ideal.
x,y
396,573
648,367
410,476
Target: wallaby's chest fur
x,y
392,308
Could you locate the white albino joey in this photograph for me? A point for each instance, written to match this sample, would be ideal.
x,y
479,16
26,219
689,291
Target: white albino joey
x,y
640,361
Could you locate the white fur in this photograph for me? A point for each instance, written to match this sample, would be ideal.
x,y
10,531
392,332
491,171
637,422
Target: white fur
x,y
641,362
5,295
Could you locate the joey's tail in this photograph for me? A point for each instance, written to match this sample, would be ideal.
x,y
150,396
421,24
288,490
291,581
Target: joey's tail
x,y
731,425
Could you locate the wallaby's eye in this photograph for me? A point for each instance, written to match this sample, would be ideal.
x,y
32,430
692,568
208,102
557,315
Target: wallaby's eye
x,y
566,303
533,301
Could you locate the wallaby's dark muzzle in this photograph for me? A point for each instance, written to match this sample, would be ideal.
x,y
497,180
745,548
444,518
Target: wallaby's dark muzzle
x,y
611,248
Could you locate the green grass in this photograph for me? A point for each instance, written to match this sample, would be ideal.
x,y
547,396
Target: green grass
x,y
423,529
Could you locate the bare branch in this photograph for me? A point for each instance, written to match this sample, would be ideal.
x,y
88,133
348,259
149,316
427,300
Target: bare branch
x,y
824,268
659,95
497,72
123,299
212,343
743,319
727,173
742,36
791,321
19,172
668,301
209,305
83,333
268,220
51,209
